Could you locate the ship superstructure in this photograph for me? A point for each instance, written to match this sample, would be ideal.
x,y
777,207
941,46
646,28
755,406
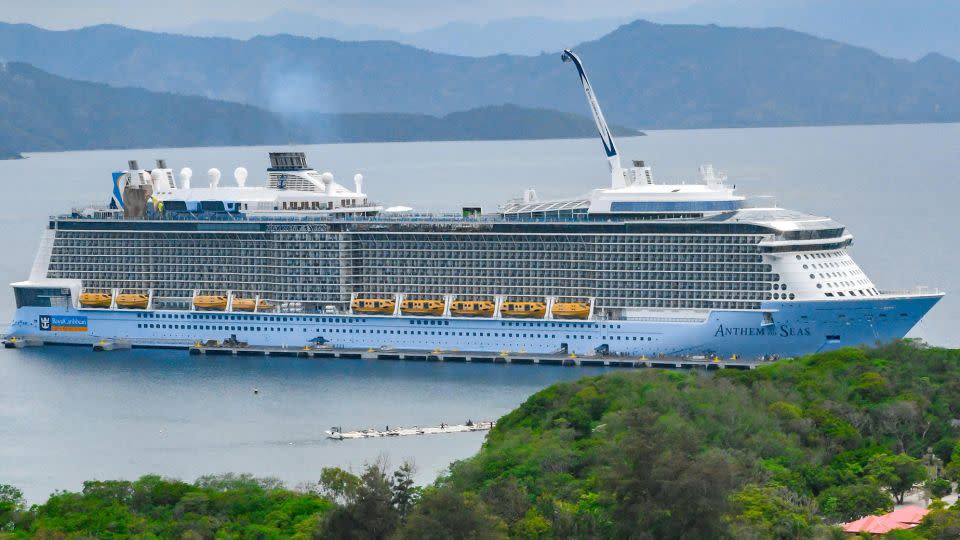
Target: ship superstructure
x,y
639,267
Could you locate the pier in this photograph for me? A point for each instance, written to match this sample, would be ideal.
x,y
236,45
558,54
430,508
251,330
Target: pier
x,y
337,434
477,357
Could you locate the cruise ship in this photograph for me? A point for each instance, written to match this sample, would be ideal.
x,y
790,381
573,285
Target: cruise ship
x,y
637,267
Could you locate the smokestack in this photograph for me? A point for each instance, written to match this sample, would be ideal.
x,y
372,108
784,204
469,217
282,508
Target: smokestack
x,y
161,164
133,165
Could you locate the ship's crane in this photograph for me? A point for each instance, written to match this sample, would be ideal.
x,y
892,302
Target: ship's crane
x,y
613,157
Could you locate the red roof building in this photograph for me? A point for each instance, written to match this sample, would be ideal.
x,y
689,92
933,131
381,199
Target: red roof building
x,y
905,517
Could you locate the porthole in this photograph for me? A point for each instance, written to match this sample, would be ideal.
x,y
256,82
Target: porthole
x,y
819,286
792,296
812,276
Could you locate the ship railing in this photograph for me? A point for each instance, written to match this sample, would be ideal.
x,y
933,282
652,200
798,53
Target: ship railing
x,y
105,214
919,290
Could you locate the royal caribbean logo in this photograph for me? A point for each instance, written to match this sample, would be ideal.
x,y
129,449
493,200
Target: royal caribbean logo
x,y
783,331
62,323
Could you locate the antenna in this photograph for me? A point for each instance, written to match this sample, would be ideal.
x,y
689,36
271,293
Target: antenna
x,y
616,171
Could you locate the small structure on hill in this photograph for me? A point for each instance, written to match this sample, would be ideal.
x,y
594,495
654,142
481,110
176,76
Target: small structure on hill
x,y
906,517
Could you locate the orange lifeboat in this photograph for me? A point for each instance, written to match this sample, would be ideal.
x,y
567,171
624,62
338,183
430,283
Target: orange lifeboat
x,y
430,308
248,304
570,310
132,301
524,310
472,308
373,306
210,302
95,300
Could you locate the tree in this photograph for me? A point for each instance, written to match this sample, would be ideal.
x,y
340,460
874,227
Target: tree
x,y
443,513
338,485
11,505
953,468
849,502
369,513
899,420
940,487
899,473
405,493
940,524
771,511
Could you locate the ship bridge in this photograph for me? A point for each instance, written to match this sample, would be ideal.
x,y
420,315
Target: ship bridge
x,y
638,199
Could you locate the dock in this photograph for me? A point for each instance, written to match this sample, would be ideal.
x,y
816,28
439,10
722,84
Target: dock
x,y
338,434
21,342
485,357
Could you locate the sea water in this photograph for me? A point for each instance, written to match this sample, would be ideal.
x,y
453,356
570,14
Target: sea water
x,y
68,414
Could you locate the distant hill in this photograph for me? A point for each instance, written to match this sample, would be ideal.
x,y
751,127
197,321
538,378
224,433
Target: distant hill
x,y
40,111
647,75
495,122
899,28
44,112
528,35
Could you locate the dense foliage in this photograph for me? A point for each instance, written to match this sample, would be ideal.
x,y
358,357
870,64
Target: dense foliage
x,y
227,506
784,451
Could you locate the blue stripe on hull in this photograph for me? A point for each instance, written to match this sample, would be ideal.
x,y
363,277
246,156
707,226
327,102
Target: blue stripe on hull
x,y
797,328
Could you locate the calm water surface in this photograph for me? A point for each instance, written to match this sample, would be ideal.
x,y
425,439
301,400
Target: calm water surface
x,y
67,415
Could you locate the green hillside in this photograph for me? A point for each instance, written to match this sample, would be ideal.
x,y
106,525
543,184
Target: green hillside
x,y
785,451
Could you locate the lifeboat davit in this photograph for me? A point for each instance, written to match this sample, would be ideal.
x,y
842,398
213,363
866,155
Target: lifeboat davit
x,y
132,301
472,308
95,300
524,310
248,304
430,308
373,306
212,302
570,310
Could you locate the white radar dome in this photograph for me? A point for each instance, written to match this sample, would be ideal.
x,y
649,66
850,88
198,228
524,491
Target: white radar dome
x,y
214,175
240,175
185,174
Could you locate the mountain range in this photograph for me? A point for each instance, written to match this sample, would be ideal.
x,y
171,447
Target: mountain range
x,y
527,35
898,28
647,75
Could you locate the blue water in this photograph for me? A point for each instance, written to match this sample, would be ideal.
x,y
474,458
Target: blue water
x,y
67,415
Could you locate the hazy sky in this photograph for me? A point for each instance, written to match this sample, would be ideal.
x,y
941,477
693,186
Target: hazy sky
x,y
400,14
